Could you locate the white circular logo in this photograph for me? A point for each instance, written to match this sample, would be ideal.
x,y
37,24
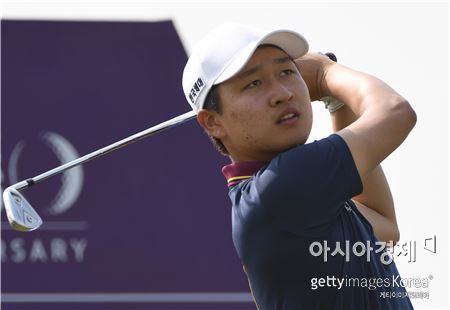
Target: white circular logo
x,y
71,180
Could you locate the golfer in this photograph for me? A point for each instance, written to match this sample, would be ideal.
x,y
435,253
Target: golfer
x,y
310,221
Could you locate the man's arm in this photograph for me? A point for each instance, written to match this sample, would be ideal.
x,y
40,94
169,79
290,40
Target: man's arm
x,y
374,122
384,117
375,202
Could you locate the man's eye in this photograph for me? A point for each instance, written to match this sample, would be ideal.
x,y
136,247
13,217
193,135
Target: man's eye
x,y
287,72
253,84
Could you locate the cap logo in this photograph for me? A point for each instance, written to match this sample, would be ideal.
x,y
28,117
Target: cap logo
x,y
196,89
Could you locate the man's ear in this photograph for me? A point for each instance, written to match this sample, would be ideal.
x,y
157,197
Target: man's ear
x,y
211,123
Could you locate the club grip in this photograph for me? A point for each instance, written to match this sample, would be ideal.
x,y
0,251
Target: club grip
x,y
331,56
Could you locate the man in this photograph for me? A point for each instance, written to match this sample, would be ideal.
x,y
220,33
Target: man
x,y
308,219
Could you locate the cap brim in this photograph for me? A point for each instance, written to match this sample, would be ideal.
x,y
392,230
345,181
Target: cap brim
x,y
294,44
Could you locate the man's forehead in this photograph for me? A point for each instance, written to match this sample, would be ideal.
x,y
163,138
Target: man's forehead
x,y
263,56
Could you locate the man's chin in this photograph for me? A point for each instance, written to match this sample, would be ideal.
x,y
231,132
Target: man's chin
x,y
292,144
297,141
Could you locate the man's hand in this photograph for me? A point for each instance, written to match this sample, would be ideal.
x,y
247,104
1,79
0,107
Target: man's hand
x,y
314,67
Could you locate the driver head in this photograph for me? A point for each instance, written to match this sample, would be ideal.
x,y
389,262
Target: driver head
x,y
20,214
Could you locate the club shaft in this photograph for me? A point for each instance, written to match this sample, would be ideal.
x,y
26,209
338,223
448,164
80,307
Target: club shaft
x,y
107,149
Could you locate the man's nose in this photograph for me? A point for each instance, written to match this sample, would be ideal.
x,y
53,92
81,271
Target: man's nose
x,y
280,93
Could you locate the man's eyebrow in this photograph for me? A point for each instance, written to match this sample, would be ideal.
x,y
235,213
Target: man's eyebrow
x,y
282,60
279,60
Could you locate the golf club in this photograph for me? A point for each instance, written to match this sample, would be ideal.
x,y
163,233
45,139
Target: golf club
x,y
20,213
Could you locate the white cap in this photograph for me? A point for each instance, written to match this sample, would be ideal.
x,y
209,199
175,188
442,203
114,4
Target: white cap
x,y
225,50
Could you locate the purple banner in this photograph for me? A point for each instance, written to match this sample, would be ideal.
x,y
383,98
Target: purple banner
x,y
147,226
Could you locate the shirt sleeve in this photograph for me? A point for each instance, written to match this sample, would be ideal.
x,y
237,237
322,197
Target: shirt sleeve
x,y
307,186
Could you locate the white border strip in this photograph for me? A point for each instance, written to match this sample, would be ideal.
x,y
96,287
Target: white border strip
x,y
218,297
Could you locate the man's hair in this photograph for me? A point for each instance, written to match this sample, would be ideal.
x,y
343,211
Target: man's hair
x,y
212,103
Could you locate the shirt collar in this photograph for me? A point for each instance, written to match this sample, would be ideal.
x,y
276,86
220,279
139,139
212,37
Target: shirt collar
x,y
238,172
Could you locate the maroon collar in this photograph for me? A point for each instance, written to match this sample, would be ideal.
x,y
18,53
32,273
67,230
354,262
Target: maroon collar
x,y
238,172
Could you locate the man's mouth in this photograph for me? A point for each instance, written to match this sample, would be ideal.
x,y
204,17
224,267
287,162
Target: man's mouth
x,y
288,118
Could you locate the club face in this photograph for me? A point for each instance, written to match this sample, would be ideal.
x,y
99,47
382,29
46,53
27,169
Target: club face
x,y
20,213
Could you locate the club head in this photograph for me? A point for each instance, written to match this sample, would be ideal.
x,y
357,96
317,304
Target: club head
x,y
20,213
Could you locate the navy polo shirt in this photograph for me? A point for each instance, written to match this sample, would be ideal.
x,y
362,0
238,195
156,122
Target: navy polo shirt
x,y
285,216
